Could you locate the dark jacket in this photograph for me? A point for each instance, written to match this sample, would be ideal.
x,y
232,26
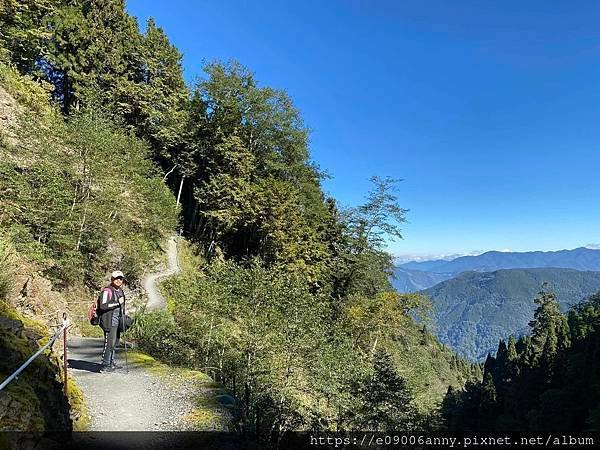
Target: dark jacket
x,y
106,309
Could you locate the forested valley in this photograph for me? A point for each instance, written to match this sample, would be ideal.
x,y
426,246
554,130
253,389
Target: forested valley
x,y
543,382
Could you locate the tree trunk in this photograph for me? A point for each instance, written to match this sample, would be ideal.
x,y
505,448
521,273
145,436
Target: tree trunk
x,y
208,341
82,226
374,345
74,200
180,188
257,427
247,400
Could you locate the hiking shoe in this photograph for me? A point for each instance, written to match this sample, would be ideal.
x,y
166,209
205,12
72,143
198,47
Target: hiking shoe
x,y
115,366
106,369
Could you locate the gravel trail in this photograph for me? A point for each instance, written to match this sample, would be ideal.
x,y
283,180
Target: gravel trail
x,y
132,400
155,298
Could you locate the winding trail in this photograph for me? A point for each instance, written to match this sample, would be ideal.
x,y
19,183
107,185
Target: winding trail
x,y
135,399
155,298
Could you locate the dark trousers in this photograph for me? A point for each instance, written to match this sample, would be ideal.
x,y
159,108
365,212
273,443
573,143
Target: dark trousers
x,y
110,339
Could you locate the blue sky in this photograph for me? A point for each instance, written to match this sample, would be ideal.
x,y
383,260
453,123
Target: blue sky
x,y
488,111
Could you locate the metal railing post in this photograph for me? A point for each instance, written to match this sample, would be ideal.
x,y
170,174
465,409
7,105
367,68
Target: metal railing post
x,y
65,352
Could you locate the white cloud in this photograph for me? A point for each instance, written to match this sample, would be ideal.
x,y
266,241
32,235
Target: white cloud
x,y
401,258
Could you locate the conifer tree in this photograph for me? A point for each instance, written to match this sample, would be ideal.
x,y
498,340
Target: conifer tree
x,y
512,358
488,407
385,401
23,32
550,330
477,373
500,367
93,56
452,409
584,318
489,365
160,106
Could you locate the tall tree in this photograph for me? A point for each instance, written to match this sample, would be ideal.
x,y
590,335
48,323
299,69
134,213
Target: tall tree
x,y
488,406
93,55
367,267
512,358
385,401
23,32
159,109
252,189
549,327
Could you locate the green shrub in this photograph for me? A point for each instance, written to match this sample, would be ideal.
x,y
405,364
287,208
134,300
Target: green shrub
x,y
31,94
6,266
157,334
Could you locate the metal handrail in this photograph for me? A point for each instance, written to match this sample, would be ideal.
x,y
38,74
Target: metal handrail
x,y
66,323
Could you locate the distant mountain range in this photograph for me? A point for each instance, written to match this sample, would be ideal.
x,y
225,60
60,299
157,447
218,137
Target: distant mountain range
x,y
414,276
474,310
581,258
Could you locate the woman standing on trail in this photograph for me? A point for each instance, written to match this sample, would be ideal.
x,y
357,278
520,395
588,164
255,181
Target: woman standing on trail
x,y
111,306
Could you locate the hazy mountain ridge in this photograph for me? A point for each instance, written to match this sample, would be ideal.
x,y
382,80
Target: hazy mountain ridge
x,y
418,275
406,280
424,266
581,258
474,310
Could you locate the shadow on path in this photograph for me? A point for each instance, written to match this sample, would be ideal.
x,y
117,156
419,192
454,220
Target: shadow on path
x,y
84,365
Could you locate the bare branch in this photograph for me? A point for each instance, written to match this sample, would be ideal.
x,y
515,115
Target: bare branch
x,y
169,172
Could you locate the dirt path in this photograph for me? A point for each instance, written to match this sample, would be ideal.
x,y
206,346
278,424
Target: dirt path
x,y
155,298
132,400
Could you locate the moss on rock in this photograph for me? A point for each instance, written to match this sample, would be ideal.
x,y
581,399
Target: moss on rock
x,y
80,414
35,400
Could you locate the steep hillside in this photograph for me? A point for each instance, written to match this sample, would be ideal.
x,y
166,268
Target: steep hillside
x,y
79,196
288,301
408,280
35,401
227,312
473,311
